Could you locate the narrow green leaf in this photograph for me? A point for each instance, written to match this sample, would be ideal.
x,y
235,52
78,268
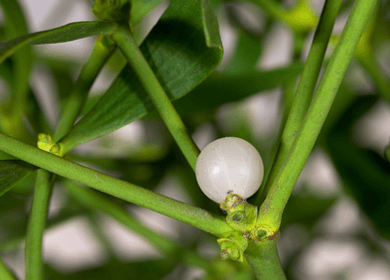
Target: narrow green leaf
x,y
15,25
12,171
66,33
221,88
176,50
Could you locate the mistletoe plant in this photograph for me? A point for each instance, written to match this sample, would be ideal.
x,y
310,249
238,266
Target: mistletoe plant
x,y
177,60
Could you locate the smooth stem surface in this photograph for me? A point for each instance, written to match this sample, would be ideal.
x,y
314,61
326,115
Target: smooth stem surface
x,y
102,50
163,105
5,274
36,225
271,210
93,200
167,206
264,260
306,86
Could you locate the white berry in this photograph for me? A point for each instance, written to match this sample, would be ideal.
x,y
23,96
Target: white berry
x,y
229,165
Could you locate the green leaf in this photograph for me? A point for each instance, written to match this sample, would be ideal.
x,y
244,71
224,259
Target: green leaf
x,y
140,8
66,33
12,171
15,20
365,174
221,88
15,25
176,50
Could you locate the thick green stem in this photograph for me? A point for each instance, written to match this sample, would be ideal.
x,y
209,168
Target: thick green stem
x,y
306,86
264,260
102,50
175,209
5,274
168,113
36,225
272,208
94,200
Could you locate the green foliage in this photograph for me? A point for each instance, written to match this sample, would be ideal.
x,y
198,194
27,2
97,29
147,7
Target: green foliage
x,y
66,33
185,58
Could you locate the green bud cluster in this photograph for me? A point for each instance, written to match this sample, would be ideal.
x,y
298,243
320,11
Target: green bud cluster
x,y
241,216
46,143
233,248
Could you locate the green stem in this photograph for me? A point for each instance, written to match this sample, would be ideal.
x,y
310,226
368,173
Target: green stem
x,y
36,225
102,50
168,113
272,208
5,274
305,88
96,201
264,260
129,192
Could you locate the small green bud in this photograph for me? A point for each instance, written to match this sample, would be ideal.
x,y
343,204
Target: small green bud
x,y
55,149
259,233
233,248
46,143
238,217
241,215
43,138
231,201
